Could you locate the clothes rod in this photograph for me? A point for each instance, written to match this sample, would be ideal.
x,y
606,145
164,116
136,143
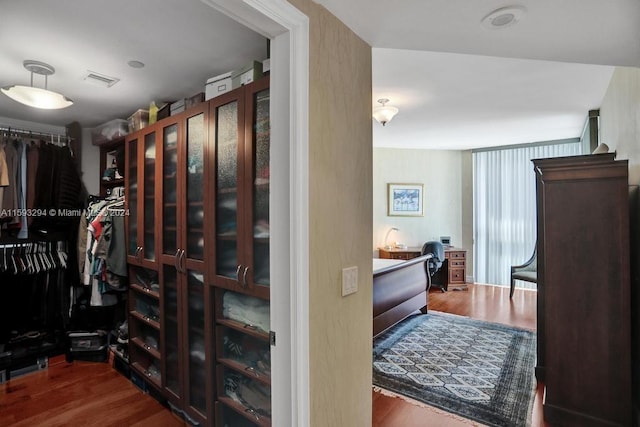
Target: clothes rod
x,y
46,136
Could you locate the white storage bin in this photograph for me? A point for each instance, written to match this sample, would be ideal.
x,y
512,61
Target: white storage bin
x,y
217,86
109,131
246,74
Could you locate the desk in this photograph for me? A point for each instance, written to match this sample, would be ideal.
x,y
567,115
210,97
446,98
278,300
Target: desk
x,y
453,268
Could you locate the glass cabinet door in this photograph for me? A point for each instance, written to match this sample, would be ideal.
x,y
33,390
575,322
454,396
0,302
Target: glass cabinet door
x,y
226,200
171,330
169,190
195,181
132,197
261,174
196,342
149,195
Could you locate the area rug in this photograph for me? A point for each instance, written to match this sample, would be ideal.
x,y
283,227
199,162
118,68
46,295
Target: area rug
x,y
478,370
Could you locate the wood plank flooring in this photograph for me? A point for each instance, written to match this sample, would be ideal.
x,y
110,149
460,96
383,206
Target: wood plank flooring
x,y
483,302
79,394
94,394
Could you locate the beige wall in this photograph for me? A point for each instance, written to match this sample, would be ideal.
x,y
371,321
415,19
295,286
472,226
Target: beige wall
x,y
448,203
620,118
340,162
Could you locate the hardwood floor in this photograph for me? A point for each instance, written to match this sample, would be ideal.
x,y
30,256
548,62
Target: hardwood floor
x,y
94,394
483,302
79,394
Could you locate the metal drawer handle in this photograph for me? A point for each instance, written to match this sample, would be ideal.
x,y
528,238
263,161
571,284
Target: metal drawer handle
x,y
244,277
238,273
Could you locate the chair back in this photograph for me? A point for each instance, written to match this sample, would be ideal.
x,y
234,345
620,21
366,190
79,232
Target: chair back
x,y
436,249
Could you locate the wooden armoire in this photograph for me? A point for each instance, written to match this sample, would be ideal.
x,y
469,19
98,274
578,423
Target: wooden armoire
x,y
584,319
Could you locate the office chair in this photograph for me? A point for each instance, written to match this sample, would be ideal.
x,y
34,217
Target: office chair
x,y
433,264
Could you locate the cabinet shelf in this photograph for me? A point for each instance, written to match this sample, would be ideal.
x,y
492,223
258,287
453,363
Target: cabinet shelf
x,y
112,183
242,327
227,236
146,347
145,291
146,319
228,190
246,370
147,375
259,420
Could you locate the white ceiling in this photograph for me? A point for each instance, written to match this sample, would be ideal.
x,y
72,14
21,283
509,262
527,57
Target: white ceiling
x,y
182,43
426,61
446,100
454,101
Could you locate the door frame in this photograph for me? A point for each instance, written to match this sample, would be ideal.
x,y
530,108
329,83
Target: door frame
x,y
288,30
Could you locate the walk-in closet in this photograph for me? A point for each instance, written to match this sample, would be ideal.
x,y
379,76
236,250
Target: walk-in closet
x,y
134,215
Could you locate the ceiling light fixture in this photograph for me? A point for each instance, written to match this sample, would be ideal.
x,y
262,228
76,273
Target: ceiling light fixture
x,y
384,113
36,97
503,17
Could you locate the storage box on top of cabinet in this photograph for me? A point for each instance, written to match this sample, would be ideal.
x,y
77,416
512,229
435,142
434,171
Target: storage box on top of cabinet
x,y
247,74
138,120
109,131
218,85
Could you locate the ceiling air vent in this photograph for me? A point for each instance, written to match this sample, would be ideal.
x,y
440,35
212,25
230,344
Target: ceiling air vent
x,y
100,79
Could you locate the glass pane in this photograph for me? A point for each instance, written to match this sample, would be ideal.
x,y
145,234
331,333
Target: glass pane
x,y
261,135
195,182
169,188
253,355
197,356
149,195
171,343
132,177
226,189
252,313
254,396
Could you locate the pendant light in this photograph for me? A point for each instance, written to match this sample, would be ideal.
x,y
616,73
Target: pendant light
x,y
383,114
37,97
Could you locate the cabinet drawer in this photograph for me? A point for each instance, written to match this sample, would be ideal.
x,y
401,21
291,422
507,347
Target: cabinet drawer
x,y
455,255
400,256
456,275
456,263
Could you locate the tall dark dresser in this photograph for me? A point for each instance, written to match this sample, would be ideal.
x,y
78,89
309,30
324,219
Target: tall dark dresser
x,y
584,320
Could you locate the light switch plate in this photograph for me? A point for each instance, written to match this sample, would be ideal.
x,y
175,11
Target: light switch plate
x,y
349,281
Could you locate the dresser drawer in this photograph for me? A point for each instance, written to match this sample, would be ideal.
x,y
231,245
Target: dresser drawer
x,y
456,263
455,254
400,256
456,276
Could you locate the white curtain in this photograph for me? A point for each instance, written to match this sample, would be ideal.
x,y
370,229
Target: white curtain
x,y
504,207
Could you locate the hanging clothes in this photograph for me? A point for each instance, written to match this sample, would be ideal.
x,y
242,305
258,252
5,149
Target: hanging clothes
x,y
4,177
104,265
10,196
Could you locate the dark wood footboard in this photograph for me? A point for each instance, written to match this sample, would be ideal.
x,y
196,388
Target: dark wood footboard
x,y
398,291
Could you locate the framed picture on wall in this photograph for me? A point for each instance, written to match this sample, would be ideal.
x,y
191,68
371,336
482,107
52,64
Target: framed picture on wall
x,y
405,200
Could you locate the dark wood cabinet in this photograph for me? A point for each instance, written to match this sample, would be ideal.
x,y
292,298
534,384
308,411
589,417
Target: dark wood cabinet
x,y
240,153
112,156
180,212
140,191
584,336
240,253
197,187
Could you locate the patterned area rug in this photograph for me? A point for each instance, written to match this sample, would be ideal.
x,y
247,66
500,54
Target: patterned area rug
x,y
479,370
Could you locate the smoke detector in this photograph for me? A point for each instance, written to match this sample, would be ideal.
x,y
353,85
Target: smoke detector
x,y
503,17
